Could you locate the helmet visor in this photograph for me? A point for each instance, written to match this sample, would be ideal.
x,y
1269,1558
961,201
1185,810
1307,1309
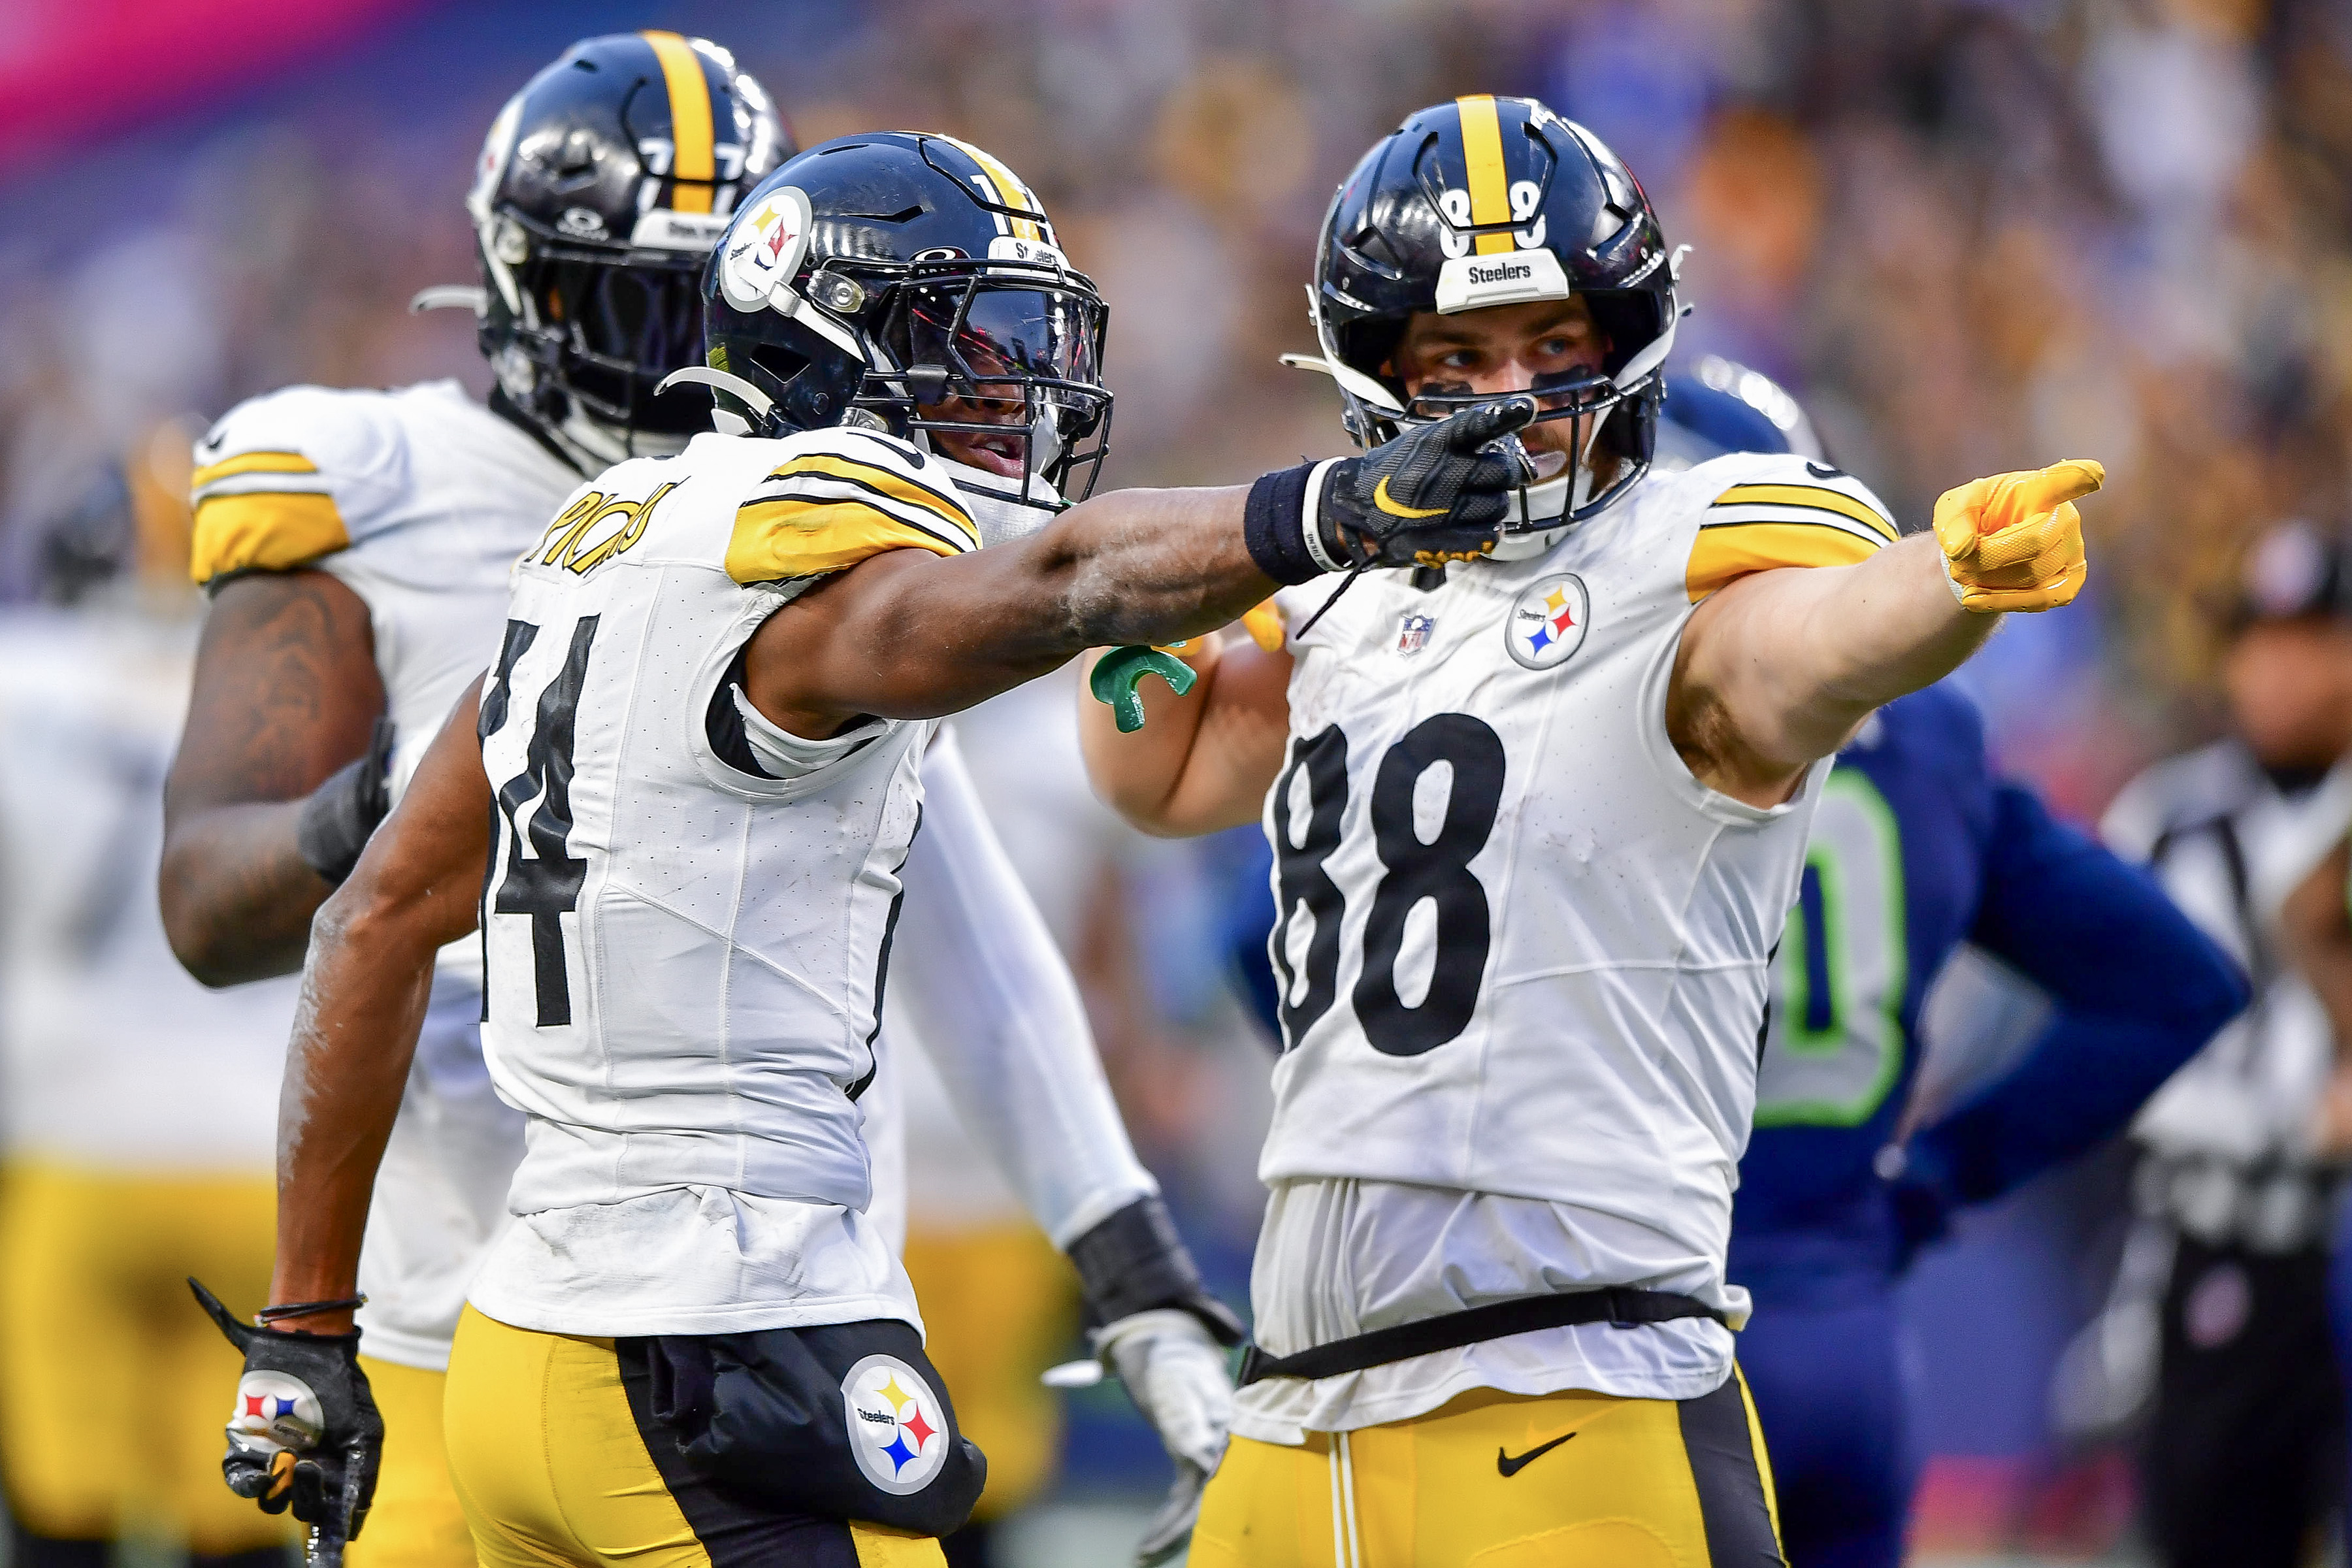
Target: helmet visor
x,y
993,336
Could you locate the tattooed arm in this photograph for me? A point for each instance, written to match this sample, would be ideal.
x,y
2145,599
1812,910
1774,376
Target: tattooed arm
x,y
286,693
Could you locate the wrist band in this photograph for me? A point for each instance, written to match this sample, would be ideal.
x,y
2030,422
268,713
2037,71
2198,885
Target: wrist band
x,y
1276,526
1311,516
268,1315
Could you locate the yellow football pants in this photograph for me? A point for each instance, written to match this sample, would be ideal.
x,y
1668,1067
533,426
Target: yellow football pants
x,y
114,1388
999,1304
415,1521
552,1468
1500,1481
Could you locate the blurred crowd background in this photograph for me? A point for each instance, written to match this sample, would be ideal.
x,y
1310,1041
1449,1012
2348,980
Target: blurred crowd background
x,y
1970,237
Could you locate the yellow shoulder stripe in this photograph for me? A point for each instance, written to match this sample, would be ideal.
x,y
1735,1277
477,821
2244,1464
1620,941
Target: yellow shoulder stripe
x,y
775,540
266,531
252,463
1724,555
883,481
1820,498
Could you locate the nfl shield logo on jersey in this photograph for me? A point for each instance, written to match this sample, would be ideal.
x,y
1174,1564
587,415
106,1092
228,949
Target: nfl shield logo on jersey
x,y
897,1428
1546,621
1412,633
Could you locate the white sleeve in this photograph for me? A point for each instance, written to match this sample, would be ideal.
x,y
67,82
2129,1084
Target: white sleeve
x,y
999,1013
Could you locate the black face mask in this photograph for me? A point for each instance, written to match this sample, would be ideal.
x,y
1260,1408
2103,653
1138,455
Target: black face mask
x,y
626,330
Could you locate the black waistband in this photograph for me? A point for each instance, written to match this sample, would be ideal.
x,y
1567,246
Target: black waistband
x,y
1618,1308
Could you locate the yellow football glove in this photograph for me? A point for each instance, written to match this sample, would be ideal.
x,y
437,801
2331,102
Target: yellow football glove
x,y
2014,542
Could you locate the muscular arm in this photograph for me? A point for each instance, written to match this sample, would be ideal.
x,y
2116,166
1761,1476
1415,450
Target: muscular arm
x,y
910,634
363,1000
1776,671
285,692
1202,761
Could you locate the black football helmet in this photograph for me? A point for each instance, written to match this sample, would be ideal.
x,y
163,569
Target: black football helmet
x,y
911,283
1497,201
601,187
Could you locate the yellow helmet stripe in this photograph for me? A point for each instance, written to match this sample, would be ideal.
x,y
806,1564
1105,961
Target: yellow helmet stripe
x,y
1010,190
1482,149
692,169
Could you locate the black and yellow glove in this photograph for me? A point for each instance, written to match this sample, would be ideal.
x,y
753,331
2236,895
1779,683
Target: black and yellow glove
x,y
1437,493
304,1434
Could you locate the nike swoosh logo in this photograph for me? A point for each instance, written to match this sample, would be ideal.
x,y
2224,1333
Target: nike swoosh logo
x,y
1382,499
1509,1466
1822,470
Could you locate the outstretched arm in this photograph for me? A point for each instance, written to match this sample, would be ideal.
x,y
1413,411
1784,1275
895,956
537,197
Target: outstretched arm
x,y
908,634
286,693
363,997
1776,670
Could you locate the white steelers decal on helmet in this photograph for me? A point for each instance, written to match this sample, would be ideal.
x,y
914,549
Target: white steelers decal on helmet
x,y
765,248
1547,621
277,1408
897,1427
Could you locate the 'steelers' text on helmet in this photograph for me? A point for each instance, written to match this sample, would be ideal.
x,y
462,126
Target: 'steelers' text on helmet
x,y
601,187
913,283
1498,201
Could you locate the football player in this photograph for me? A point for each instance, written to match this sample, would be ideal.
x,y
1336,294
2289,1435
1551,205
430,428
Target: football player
x,y
138,1123
356,546
704,721
1916,849
359,546
1537,818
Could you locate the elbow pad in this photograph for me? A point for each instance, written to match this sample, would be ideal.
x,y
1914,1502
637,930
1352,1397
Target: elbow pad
x,y
1134,1261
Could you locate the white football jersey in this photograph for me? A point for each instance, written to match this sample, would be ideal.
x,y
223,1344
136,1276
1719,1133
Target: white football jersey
x,y
115,1061
687,922
419,501
1523,952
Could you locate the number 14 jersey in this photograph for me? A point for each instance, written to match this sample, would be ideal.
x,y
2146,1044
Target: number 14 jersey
x,y
687,918
1522,951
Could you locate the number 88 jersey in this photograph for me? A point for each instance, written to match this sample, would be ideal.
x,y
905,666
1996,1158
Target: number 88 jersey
x,y
1520,949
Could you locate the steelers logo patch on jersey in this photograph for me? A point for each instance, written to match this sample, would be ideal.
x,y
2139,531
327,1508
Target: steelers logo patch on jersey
x,y
273,1408
897,1427
1547,620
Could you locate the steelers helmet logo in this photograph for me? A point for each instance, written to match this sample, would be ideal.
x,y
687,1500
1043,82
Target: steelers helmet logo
x,y
897,1427
276,1408
1546,621
765,248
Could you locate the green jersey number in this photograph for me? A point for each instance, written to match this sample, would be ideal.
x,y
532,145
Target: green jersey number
x,y
1834,1044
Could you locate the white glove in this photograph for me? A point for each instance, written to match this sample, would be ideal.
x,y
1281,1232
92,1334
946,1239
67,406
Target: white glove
x,y
1175,1372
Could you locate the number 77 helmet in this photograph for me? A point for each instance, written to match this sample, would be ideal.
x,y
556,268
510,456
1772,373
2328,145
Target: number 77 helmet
x,y
600,189
1497,201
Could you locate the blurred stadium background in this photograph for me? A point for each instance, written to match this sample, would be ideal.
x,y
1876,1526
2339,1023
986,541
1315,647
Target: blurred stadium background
x,y
1971,237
